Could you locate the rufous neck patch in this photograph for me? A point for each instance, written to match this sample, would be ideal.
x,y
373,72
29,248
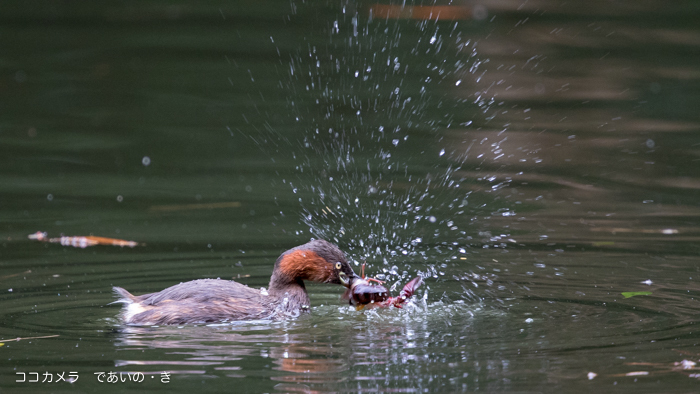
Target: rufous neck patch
x,y
305,265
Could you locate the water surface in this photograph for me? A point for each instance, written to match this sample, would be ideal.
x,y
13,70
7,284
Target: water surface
x,y
533,161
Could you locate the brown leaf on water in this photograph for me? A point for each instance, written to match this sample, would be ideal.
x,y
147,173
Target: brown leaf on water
x,y
109,241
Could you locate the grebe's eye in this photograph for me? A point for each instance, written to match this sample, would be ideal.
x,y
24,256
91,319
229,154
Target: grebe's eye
x,y
338,265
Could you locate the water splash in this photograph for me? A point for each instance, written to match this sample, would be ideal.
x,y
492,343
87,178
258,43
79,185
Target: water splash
x,y
386,165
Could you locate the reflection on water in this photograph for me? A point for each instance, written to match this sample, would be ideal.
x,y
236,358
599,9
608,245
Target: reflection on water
x,y
334,349
532,160
450,344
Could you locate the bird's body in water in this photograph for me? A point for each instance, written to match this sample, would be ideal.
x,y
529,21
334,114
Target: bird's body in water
x,y
215,300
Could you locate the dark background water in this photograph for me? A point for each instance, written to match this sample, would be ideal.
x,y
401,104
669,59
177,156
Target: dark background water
x,y
532,159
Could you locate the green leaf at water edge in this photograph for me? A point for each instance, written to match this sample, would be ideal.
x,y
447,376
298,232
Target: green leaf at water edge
x,y
629,294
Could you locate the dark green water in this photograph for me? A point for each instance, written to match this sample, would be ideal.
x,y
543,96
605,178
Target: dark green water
x,y
533,162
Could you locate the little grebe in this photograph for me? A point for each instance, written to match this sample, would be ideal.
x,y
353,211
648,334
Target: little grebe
x,y
215,300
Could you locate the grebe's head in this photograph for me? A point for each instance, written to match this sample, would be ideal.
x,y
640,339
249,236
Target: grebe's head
x,y
318,261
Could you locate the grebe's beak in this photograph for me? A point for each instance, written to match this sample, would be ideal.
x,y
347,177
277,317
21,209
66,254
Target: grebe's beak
x,y
346,280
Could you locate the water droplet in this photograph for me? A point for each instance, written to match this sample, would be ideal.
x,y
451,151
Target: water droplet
x,y
442,152
49,197
120,198
395,142
458,82
146,161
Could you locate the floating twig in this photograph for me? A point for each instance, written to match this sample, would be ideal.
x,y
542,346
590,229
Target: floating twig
x,y
17,274
81,241
187,207
445,12
22,339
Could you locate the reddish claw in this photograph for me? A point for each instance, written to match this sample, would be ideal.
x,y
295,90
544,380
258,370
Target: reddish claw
x,y
370,279
408,291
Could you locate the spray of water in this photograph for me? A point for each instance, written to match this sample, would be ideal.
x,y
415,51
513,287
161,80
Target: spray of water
x,y
386,108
